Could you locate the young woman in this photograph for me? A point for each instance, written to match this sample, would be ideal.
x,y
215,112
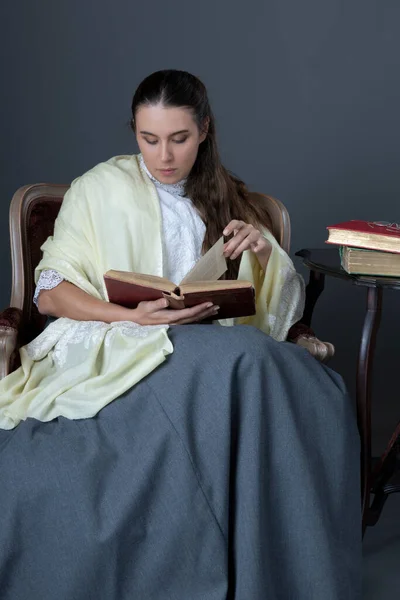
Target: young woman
x,y
145,460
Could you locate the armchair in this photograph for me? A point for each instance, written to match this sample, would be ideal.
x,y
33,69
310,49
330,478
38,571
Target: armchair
x,y
33,211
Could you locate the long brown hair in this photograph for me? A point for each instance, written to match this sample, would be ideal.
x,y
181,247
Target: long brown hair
x,y
218,195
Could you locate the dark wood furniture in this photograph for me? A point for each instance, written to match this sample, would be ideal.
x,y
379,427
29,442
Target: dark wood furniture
x,y
382,476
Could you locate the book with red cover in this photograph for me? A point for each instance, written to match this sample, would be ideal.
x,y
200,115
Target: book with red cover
x,y
201,284
235,298
373,235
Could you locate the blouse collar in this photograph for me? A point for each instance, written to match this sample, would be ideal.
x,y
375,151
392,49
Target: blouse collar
x,y
176,189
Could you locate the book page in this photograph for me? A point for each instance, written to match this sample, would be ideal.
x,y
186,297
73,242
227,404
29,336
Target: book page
x,y
210,267
151,281
214,286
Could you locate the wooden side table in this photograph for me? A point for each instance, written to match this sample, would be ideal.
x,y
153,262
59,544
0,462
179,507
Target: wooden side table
x,y
382,476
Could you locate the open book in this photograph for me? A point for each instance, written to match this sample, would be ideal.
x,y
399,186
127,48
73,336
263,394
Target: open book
x,y
235,298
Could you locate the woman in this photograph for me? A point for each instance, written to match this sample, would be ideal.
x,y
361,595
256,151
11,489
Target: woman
x,y
227,467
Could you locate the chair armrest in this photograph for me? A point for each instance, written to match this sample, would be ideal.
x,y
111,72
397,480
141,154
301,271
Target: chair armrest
x,y
10,329
299,329
304,336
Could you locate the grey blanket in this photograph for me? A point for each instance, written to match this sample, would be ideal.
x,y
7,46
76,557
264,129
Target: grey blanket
x,y
229,472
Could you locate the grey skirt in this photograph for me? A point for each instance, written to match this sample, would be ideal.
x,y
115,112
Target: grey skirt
x,y
231,471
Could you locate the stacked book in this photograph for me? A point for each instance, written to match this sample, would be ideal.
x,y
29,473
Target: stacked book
x,y
368,247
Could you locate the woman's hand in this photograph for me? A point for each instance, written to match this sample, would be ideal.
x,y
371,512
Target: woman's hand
x,y
246,237
156,312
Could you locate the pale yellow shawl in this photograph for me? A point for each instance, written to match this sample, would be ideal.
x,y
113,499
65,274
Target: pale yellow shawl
x,y
110,219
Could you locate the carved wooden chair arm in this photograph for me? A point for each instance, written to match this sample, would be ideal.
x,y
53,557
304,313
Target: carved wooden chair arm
x,y
304,336
10,331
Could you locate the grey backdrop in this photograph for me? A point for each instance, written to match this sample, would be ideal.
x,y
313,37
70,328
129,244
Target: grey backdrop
x,y
306,96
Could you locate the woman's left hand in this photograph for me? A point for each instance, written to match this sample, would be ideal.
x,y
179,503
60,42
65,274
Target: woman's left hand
x,y
246,237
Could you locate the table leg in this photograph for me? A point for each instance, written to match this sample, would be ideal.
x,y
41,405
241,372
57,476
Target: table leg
x,y
364,373
314,289
385,477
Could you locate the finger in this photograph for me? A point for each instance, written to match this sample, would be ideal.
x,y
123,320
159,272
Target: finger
x,y
232,225
262,249
189,313
245,244
170,316
242,234
261,244
154,305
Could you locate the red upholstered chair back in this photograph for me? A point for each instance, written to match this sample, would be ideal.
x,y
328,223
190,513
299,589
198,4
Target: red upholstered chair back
x,y
33,211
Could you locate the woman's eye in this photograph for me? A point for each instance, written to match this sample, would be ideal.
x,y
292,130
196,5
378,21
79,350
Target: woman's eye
x,y
181,141
151,142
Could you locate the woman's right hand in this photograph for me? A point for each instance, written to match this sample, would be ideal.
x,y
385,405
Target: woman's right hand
x,y
155,312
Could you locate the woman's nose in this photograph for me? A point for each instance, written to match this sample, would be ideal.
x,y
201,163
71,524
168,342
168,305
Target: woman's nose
x,y
166,154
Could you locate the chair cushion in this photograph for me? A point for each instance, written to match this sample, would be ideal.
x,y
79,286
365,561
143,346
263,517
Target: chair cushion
x,y
11,318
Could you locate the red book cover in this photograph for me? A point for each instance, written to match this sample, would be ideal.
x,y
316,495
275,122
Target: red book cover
x,y
233,301
372,227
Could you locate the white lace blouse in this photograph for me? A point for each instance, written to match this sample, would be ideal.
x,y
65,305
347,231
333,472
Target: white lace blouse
x,y
183,234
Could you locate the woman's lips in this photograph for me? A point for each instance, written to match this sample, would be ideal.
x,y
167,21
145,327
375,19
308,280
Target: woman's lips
x,y
167,171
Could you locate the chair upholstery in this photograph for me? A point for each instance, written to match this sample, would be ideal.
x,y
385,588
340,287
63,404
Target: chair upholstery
x,y
33,211
279,224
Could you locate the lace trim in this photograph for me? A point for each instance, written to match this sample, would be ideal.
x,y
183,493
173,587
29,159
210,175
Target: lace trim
x,y
183,235
64,333
176,189
48,280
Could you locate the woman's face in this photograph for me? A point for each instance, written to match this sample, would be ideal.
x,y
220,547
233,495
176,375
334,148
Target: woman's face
x,y
169,140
